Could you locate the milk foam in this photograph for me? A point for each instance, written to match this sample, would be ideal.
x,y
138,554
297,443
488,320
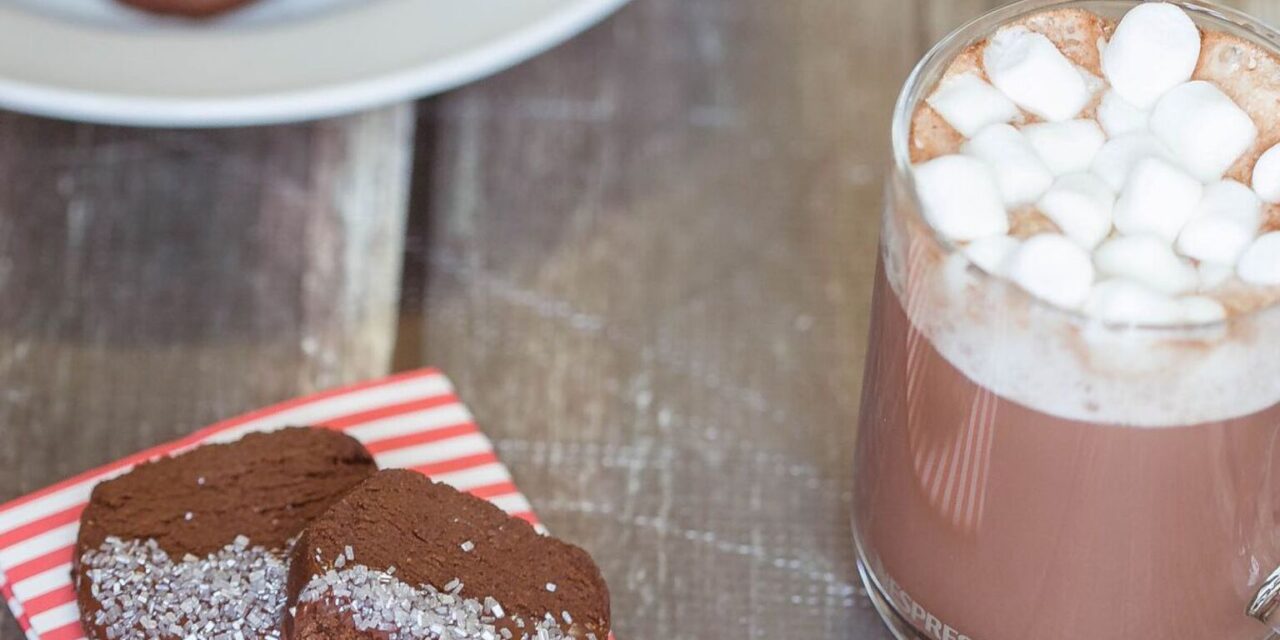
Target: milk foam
x,y
1073,367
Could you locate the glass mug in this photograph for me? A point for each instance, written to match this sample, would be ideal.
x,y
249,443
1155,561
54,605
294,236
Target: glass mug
x,y
1023,472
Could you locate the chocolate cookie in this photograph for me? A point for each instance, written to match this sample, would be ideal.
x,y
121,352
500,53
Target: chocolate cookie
x,y
191,8
195,545
404,557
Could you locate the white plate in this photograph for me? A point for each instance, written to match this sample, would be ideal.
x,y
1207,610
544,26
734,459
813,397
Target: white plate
x,y
276,61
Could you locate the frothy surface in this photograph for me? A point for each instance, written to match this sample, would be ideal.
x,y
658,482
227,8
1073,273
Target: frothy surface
x,y
1061,362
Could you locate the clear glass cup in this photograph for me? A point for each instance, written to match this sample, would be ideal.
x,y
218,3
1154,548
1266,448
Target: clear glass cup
x,y
1025,472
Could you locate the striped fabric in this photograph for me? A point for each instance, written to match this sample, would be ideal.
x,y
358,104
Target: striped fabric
x,y
412,420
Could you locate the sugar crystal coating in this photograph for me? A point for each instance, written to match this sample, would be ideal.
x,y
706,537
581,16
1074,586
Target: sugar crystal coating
x,y
378,601
236,593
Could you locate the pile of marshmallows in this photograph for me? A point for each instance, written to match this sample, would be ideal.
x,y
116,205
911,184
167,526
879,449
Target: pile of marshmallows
x,y
1138,194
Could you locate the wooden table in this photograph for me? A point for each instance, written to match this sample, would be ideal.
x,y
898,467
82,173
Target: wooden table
x,y
645,258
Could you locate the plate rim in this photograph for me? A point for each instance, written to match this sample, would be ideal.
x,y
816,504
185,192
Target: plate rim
x,y
313,103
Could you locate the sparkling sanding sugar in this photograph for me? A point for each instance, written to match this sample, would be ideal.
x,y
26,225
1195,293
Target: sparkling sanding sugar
x,y
378,601
239,592
235,593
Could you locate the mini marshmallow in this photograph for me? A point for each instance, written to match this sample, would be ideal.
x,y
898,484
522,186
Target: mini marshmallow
x,y
1157,198
1031,71
1120,301
1118,156
969,104
1214,239
1155,48
1224,225
1260,263
1118,117
1206,131
1052,268
1201,310
991,253
1066,147
1213,276
1266,175
961,198
1021,175
1080,204
1147,260
1230,199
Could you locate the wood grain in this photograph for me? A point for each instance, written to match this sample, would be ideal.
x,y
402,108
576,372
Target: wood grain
x,y
645,258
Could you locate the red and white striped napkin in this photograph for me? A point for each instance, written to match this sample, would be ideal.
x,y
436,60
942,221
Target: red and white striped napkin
x,y
412,420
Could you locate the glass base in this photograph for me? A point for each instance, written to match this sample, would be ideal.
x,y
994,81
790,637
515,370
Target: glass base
x,y
897,625
894,621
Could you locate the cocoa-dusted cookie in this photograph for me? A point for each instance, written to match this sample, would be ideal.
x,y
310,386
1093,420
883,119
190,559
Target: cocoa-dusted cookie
x,y
191,8
195,545
407,558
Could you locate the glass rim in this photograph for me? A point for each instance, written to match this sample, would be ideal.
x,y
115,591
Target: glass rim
x,y
928,71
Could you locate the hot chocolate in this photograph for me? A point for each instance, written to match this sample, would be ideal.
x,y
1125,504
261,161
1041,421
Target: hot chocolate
x,y
1072,401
